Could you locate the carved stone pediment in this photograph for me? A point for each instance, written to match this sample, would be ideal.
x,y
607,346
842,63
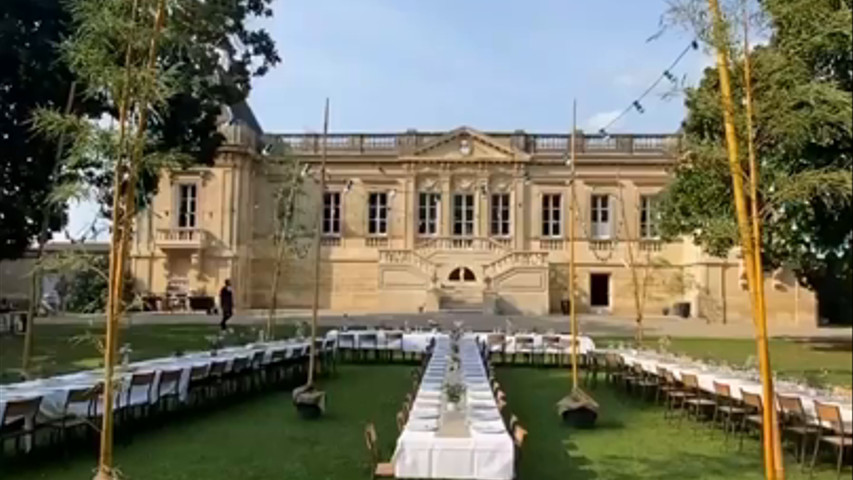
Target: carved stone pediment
x,y
464,145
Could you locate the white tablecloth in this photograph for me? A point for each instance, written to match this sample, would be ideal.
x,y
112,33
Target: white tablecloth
x,y
737,381
54,390
469,455
418,341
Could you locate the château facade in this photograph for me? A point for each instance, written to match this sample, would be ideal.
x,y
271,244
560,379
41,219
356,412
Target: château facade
x,y
429,221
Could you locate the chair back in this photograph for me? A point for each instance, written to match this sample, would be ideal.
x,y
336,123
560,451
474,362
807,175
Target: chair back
x,y
791,405
278,356
670,377
830,415
140,380
518,435
661,373
401,421
613,360
217,368
199,372
501,395
552,341
690,381
239,364
496,339
367,340
85,395
752,400
257,360
26,408
393,337
523,341
170,379
370,442
346,340
722,389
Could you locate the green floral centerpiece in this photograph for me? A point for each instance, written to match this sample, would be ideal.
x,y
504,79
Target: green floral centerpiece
x,y
454,392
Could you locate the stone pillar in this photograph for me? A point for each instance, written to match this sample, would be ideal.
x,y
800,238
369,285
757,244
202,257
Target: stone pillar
x,y
519,215
410,213
446,205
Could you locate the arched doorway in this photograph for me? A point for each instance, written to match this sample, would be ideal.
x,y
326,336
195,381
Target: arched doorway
x,y
462,274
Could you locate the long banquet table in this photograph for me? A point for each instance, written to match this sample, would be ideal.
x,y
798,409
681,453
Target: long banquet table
x,y
470,442
54,390
738,381
418,341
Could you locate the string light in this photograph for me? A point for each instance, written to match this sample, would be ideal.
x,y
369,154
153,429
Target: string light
x,y
667,74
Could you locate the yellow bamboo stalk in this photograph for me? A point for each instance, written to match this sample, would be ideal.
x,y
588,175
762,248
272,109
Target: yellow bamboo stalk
x,y
105,457
770,414
743,221
317,237
123,211
572,284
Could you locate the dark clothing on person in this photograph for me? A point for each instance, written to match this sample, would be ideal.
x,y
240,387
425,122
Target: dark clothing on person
x,y
226,302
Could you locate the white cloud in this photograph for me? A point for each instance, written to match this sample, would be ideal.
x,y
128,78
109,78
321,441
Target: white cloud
x,y
84,221
599,120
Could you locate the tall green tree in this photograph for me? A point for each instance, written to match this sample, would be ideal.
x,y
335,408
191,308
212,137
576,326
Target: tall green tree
x,y
214,65
802,81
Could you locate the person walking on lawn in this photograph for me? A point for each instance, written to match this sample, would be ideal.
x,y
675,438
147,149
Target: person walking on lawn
x,y
226,303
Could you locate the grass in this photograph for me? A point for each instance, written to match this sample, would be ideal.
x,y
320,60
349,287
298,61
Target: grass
x,y
631,441
824,362
261,438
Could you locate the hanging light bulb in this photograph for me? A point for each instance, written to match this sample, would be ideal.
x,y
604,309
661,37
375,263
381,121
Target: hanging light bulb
x,y
639,107
669,76
348,186
305,171
695,45
266,150
604,134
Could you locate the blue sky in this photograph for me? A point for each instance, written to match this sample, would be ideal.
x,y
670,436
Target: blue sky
x,y
391,65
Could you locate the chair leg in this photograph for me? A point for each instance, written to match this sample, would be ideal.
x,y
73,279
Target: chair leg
x,y
814,455
840,460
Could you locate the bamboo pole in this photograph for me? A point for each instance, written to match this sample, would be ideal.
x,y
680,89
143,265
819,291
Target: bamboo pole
x,y
123,211
769,404
746,235
44,231
317,237
572,283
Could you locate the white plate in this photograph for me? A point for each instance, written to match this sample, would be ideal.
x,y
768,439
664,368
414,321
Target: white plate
x,y
488,427
422,425
484,415
426,413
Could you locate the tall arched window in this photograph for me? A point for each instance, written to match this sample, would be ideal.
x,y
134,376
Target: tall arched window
x,y
462,274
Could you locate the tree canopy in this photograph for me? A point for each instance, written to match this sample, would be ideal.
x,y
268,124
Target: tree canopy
x,y
213,60
803,104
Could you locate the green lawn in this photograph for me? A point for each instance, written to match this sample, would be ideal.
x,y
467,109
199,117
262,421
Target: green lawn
x,y
820,361
261,438
632,440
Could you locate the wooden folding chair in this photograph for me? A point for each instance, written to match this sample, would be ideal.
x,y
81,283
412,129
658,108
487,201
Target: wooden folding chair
x,y
831,431
698,402
726,409
753,417
378,469
794,423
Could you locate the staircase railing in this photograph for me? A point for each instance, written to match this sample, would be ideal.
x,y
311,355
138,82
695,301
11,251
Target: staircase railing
x,y
515,259
431,245
407,257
